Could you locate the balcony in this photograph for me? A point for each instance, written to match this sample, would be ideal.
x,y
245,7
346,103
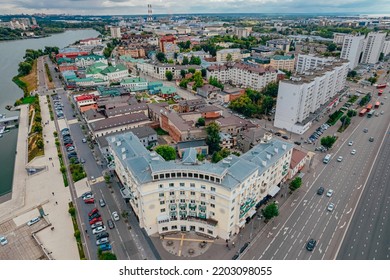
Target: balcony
x,y
172,207
202,215
192,206
202,207
182,206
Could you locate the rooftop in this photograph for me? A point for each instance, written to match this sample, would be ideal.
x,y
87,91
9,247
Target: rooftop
x,y
118,121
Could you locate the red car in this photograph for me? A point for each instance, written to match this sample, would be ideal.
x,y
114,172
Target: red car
x,y
68,145
91,222
94,210
89,201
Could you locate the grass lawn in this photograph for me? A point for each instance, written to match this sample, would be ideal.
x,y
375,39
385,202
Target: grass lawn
x,y
161,131
33,150
28,99
31,79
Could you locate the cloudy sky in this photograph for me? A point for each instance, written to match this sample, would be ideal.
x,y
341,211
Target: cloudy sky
x,y
133,7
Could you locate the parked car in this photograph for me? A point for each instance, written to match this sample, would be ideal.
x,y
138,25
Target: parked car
x,y
94,215
278,134
84,140
70,148
89,201
115,216
98,229
86,194
3,240
95,220
110,224
82,160
33,221
95,225
297,143
102,241
350,143
365,130
285,137
340,158
105,247
93,211
102,235
371,139
102,203
311,244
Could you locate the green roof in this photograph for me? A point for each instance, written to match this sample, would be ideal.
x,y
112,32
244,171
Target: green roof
x,y
89,57
113,69
167,90
133,80
99,64
93,70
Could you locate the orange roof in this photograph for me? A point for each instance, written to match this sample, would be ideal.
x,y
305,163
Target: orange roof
x,y
84,97
296,157
88,107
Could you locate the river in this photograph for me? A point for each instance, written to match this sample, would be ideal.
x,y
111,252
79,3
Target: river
x,y
11,53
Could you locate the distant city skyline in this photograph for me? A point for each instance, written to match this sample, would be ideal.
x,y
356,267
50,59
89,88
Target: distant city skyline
x,y
138,7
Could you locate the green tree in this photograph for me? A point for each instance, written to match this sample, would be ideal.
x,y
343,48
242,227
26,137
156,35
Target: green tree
x,y
213,137
296,183
216,157
107,256
352,74
161,57
271,89
204,72
169,75
72,211
24,68
191,70
214,82
267,104
201,122
195,60
271,211
183,73
351,113
381,56
185,61
345,121
40,143
77,234
331,47
198,80
229,57
328,141
167,152
183,83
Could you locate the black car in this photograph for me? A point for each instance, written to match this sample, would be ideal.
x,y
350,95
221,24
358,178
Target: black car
x,y
278,134
66,142
104,234
371,139
297,143
311,244
285,137
320,191
110,224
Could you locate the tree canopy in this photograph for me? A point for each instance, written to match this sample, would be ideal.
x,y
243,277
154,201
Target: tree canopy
x,y
213,137
167,152
271,211
169,75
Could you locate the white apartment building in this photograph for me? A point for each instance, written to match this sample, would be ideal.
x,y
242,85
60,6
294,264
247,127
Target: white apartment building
x,y
304,94
243,75
373,47
158,70
386,48
310,61
352,49
242,32
115,32
235,54
211,199
282,62
338,38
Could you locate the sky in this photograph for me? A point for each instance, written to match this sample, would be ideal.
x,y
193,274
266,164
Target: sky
x,y
139,7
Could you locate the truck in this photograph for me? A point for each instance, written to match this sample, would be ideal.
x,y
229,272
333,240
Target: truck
x,y
381,86
380,92
377,104
369,107
362,112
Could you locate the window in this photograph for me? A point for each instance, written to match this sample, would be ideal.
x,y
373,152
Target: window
x,y
201,229
192,201
162,210
206,177
162,202
209,231
212,189
179,175
167,175
182,201
182,185
190,175
160,186
203,203
192,193
171,185
161,176
171,193
155,177
196,175
203,187
212,213
212,205
165,228
202,195
173,175
182,192
173,227
172,201
192,185
201,176
161,194
212,197
185,175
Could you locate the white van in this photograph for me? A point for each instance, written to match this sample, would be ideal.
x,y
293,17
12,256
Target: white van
x,y
326,158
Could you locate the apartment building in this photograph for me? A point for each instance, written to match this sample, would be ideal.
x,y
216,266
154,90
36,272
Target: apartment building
x,y
302,95
242,32
282,62
253,76
338,38
373,47
115,32
352,49
183,195
281,44
310,61
158,70
386,48
223,55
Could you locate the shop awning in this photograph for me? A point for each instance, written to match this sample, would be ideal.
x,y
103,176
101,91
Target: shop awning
x,y
273,190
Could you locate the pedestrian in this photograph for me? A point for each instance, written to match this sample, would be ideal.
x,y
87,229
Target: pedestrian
x,y
233,244
52,193
56,203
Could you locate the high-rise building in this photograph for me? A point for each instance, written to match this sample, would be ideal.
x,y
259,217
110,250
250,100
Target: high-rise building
x,y
115,32
310,61
212,199
352,49
303,95
373,47
386,48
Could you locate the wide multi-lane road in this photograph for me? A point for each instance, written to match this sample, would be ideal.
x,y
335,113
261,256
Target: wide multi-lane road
x,y
307,216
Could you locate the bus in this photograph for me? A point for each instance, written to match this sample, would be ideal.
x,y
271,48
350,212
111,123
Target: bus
x,y
369,107
326,158
380,92
371,113
381,86
377,104
363,112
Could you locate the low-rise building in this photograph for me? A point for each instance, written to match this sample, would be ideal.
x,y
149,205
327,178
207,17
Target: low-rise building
x,y
135,83
298,161
208,91
157,70
232,54
199,145
227,141
215,200
281,44
282,62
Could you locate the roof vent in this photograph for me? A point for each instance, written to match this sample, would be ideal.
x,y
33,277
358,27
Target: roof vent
x,y
268,156
276,150
123,150
284,146
264,163
118,143
123,156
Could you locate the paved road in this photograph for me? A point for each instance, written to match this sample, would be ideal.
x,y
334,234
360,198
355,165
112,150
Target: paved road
x,y
287,236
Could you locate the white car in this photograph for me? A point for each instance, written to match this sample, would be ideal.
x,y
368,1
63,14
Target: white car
x,y
350,143
33,221
329,193
97,224
340,158
88,196
84,140
330,207
353,152
98,229
102,241
3,240
115,216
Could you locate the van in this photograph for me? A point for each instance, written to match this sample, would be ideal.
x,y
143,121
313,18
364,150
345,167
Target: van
x,y
326,158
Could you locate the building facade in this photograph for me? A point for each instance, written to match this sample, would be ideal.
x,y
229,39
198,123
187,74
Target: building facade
x,y
184,196
373,47
304,94
352,49
223,55
310,61
115,32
